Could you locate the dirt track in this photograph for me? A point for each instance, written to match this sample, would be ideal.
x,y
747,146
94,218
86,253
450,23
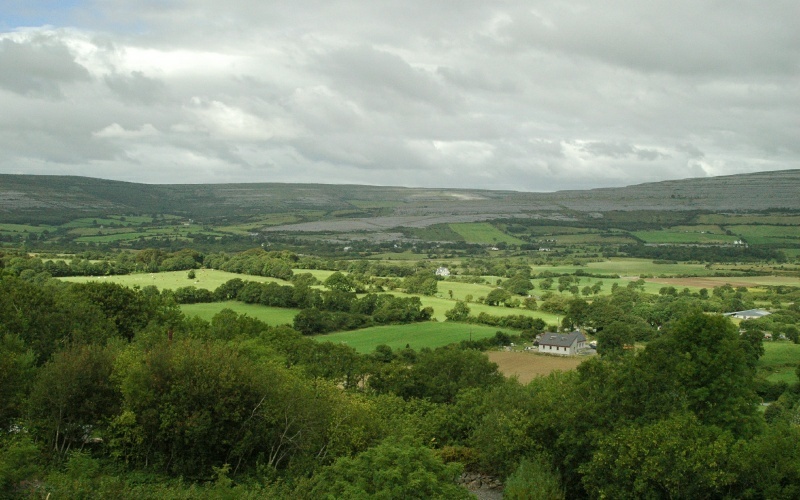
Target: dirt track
x,y
527,365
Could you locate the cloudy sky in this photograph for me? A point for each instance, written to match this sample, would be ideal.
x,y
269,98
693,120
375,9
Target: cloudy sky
x,y
512,94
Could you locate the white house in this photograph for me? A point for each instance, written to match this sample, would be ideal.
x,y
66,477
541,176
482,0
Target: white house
x,y
563,344
442,271
749,314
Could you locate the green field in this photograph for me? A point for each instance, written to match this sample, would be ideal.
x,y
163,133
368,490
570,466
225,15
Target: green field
x,y
404,256
483,232
763,235
555,230
320,274
725,219
589,239
780,361
273,316
209,279
109,221
461,290
629,267
269,220
671,236
416,335
442,304
24,228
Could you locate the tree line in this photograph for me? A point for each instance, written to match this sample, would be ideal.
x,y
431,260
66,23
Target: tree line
x,y
109,391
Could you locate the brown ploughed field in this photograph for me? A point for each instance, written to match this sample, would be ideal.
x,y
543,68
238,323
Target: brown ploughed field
x,y
527,365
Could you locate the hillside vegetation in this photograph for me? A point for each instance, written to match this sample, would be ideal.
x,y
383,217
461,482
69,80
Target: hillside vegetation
x,y
40,199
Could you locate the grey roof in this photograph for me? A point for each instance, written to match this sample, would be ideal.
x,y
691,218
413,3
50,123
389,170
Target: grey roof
x,y
753,313
561,339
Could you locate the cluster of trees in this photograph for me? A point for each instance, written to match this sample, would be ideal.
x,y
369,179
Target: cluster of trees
x,y
705,253
111,392
322,311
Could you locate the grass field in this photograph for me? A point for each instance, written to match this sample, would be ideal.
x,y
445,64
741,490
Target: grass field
x,y
461,290
209,279
684,237
780,361
273,316
416,335
762,235
736,281
404,256
268,220
24,228
320,274
554,230
589,239
629,267
443,304
483,232
725,219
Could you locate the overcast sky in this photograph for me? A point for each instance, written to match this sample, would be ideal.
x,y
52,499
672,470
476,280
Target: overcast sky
x,y
517,94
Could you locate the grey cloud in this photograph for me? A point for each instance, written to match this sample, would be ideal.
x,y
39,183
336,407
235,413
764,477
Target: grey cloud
x,y
383,80
135,87
684,37
690,150
38,68
511,95
621,150
476,79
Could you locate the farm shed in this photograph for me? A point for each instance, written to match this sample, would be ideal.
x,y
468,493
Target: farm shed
x,y
749,314
563,344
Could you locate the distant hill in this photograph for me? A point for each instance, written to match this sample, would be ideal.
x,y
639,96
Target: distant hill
x,y
32,199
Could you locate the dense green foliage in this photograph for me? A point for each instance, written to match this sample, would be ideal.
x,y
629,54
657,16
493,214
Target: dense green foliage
x,y
108,391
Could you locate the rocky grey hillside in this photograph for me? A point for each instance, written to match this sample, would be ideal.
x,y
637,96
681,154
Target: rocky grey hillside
x,y
28,198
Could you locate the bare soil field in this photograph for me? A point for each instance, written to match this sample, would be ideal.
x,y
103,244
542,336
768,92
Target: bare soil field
x,y
527,365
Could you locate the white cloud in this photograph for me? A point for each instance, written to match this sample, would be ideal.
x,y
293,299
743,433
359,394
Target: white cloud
x,y
451,93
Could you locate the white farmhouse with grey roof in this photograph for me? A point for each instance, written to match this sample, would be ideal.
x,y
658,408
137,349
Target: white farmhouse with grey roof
x,y
563,344
748,314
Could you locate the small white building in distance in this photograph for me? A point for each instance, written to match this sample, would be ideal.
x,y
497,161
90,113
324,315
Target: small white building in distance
x,y
563,344
442,271
749,314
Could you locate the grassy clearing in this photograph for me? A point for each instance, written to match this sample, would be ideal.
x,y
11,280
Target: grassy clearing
x,y
554,230
745,281
273,316
416,335
461,290
442,304
404,256
116,220
269,220
209,279
25,228
629,267
780,361
725,219
684,237
483,232
762,235
320,274
590,239
792,253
